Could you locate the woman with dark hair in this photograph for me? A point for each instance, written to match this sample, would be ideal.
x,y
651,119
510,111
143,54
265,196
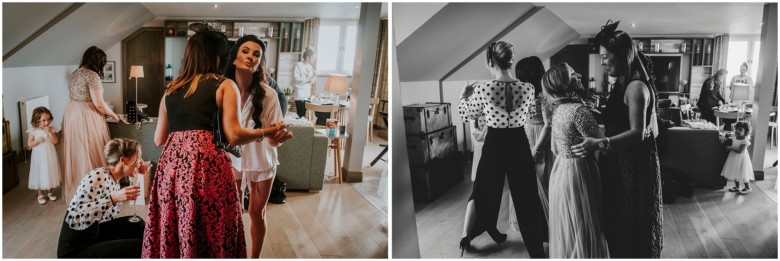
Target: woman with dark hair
x,y
505,103
631,180
193,208
84,128
531,70
259,107
575,186
710,95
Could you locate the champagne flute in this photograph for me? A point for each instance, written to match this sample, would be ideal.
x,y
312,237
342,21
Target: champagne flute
x,y
134,218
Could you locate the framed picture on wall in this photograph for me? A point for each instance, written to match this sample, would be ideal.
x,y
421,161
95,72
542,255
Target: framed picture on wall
x,y
108,72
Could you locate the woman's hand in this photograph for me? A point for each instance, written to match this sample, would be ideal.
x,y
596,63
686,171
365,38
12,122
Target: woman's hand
x,y
537,155
282,134
144,167
468,90
125,194
587,147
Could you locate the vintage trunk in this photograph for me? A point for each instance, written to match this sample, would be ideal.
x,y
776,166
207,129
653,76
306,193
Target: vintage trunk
x,y
426,118
425,148
433,180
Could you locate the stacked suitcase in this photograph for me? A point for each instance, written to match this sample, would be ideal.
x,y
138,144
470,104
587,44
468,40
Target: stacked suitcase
x,y
431,142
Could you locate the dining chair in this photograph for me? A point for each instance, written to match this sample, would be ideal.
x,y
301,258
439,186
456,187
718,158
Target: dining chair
x,y
371,114
312,108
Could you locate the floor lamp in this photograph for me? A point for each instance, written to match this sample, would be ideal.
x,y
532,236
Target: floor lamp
x,y
136,71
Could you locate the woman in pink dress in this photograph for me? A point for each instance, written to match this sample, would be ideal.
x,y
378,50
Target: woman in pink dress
x,y
193,208
84,129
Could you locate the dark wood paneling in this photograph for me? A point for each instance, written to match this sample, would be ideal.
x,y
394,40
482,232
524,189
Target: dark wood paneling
x,y
145,47
576,56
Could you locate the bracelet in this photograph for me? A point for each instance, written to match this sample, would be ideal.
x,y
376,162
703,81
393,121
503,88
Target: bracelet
x,y
609,144
262,135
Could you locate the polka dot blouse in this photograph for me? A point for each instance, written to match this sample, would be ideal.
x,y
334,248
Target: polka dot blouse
x,y
488,100
92,202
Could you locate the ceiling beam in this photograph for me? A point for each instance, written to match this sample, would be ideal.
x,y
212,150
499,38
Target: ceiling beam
x,y
500,35
72,8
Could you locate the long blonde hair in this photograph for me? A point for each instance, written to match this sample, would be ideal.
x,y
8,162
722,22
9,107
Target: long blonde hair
x,y
201,57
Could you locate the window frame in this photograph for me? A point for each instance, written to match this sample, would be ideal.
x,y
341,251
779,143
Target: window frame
x,y
343,25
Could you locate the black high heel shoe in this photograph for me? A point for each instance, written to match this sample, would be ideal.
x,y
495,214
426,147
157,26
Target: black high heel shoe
x,y
465,244
497,236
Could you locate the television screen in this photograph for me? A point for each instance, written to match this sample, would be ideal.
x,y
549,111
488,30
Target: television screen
x,y
667,73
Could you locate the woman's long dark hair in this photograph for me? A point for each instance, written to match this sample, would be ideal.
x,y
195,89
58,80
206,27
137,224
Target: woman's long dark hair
x,y
94,59
531,70
258,77
200,58
632,63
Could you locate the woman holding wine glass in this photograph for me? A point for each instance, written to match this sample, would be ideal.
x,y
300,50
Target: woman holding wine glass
x,y
91,228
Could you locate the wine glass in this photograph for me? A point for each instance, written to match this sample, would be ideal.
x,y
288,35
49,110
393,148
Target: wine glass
x,y
134,218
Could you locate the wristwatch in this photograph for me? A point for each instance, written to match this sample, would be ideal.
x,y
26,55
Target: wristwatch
x,y
602,144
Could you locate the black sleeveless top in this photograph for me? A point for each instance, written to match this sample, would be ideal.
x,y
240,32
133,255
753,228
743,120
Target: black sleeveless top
x,y
616,119
194,112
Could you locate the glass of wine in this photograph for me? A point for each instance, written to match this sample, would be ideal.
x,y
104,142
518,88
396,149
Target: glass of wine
x,y
134,218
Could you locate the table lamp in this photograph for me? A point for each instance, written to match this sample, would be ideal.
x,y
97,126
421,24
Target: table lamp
x,y
337,84
136,71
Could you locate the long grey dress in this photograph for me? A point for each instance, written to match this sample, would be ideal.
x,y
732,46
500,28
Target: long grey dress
x,y
576,220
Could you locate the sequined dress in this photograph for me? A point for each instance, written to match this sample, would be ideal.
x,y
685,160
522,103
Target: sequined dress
x,y
84,131
576,220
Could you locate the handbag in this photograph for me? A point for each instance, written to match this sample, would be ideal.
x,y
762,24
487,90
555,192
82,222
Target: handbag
x,y
277,192
219,137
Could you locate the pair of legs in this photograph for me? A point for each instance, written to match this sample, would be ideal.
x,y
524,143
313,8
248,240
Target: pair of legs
x,y
505,156
736,187
42,198
117,238
259,193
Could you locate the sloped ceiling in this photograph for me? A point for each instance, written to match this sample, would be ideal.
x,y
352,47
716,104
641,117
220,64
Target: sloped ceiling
x,y
99,24
34,15
668,18
458,30
407,17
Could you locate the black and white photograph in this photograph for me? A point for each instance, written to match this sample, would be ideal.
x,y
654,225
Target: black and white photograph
x,y
108,72
584,130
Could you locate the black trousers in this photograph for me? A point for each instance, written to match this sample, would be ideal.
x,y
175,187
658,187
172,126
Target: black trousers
x,y
300,108
506,154
118,238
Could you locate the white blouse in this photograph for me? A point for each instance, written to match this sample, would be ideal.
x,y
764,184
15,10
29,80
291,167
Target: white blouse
x,y
488,100
92,203
302,80
259,156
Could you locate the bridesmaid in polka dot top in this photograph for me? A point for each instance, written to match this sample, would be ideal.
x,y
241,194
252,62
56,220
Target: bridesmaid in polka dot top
x,y
505,104
91,228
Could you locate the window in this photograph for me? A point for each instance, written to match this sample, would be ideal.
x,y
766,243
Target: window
x,y
336,47
743,50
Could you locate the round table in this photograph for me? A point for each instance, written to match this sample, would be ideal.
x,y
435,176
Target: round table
x,y
734,115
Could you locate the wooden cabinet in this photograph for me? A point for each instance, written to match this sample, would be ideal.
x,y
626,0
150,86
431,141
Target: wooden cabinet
x,y
10,172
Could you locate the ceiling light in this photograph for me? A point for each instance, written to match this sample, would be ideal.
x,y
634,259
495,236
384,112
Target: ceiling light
x,y
357,6
215,6
633,25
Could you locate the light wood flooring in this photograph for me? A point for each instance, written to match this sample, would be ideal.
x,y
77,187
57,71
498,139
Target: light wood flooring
x,y
711,224
336,222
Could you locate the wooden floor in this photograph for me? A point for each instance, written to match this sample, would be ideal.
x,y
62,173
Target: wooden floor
x,y
336,222
712,224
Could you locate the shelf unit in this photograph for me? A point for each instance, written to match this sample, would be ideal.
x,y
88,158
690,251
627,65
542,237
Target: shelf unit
x,y
284,41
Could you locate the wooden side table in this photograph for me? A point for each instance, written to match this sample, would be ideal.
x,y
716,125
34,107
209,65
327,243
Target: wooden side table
x,y
335,143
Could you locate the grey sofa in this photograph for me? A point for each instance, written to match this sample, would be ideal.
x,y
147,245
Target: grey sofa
x,y
302,158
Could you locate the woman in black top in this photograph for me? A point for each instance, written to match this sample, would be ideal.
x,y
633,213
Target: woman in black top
x,y
631,180
505,103
710,95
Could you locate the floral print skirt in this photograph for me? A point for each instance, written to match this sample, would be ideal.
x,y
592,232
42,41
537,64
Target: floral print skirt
x,y
193,206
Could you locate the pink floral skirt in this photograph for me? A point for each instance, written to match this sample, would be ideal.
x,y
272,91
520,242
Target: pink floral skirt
x,y
193,207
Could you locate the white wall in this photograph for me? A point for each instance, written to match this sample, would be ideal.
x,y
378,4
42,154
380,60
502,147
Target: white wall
x,y
22,83
112,92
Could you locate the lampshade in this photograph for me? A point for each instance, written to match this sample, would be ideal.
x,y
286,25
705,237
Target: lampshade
x,y
137,71
337,83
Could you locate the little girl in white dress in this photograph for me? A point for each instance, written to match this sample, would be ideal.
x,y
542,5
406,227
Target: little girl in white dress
x,y
738,166
44,164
